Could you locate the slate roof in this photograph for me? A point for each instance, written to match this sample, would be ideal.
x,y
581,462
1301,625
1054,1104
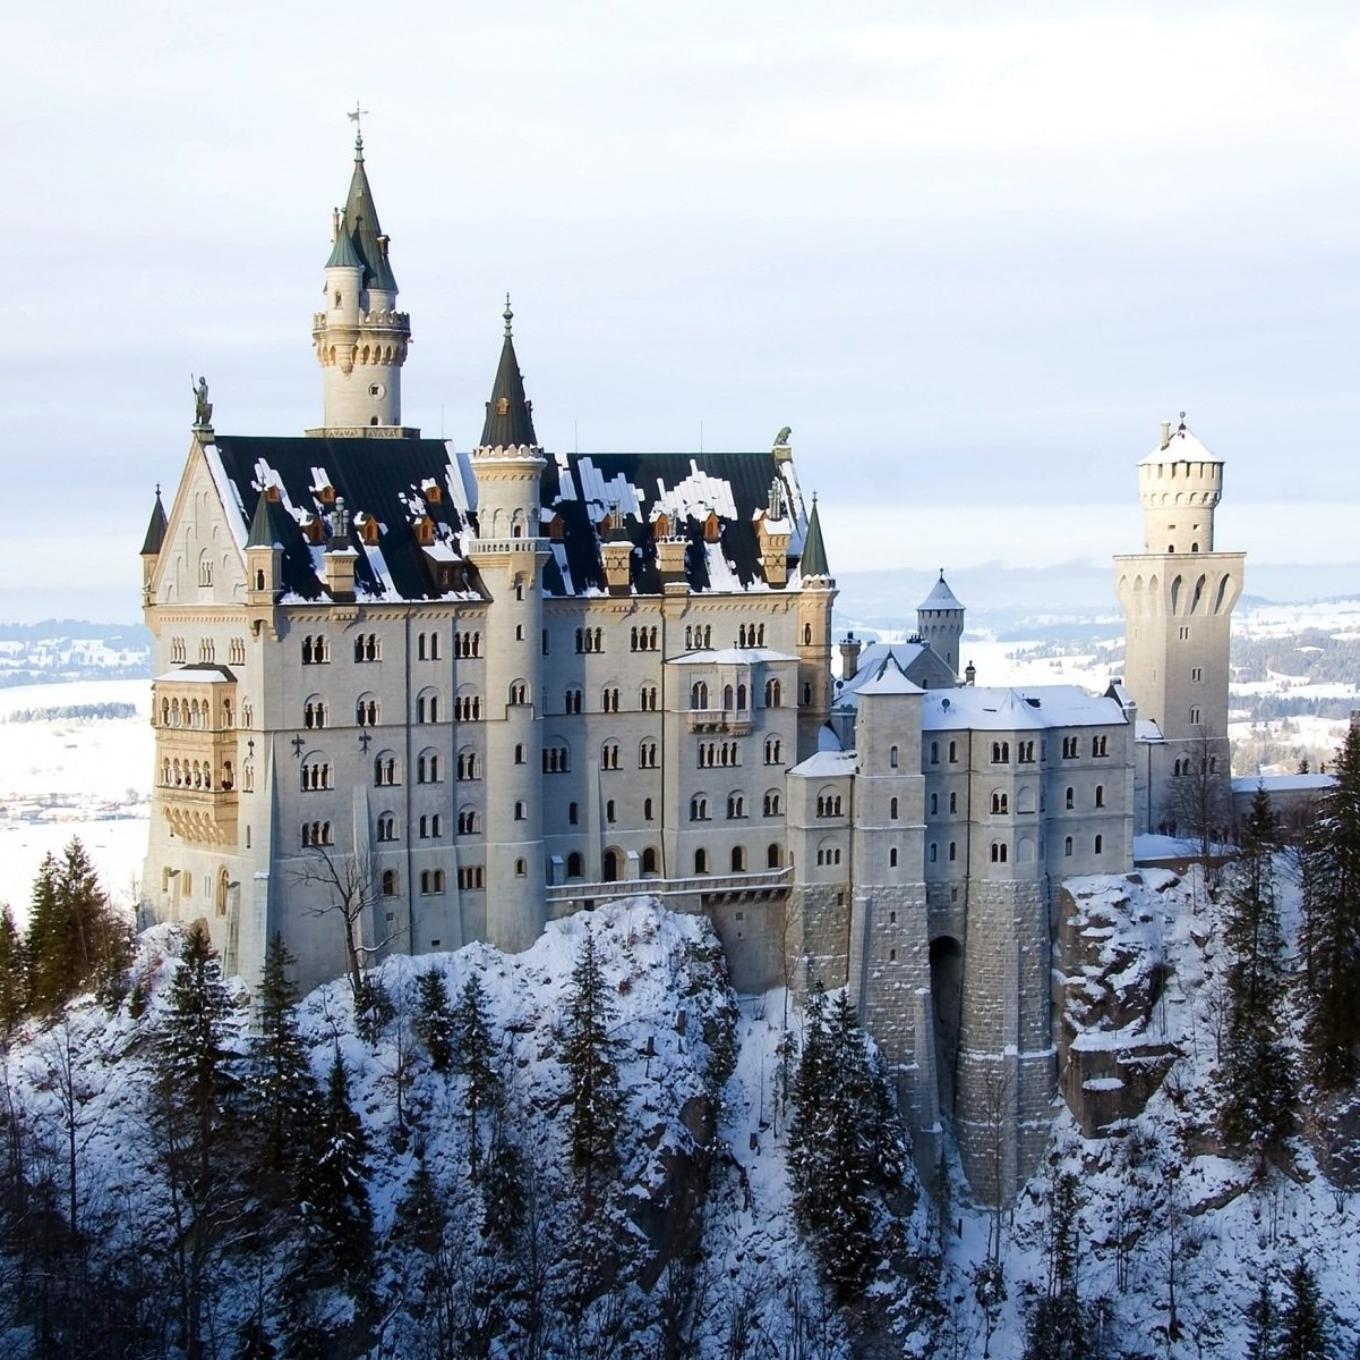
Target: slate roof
x,y
399,482
509,413
814,561
155,530
360,224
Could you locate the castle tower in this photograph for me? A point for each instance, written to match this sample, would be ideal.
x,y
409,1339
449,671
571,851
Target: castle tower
x,y
1178,596
815,598
939,621
360,336
152,545
509,555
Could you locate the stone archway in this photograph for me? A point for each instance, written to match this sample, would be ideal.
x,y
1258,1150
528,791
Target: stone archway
x,y
946,993
611,866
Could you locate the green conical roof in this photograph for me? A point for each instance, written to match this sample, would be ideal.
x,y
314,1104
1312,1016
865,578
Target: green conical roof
x,y
360,224
509,414
813,561
155,531
262,525
344,251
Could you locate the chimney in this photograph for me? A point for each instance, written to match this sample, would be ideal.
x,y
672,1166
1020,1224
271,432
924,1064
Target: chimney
x,y
1166,433
849,656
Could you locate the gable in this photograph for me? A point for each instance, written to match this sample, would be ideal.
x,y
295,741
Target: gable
x,y
200,561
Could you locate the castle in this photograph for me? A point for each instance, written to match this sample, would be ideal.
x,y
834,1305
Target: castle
x,y
408,697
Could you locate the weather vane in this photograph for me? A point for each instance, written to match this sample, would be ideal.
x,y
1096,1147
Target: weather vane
x,y
354,115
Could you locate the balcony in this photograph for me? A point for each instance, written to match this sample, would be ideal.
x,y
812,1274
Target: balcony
x,y
201,816
736,722
764,882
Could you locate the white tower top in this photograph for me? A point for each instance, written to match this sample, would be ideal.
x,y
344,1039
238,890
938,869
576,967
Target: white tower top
x,y
1180,483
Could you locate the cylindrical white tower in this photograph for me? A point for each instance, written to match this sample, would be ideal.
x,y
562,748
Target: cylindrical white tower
x,y
1180,484
509,556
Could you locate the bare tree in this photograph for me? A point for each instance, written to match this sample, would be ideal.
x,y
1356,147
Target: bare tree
x,y
62,1076
1200,802
352,891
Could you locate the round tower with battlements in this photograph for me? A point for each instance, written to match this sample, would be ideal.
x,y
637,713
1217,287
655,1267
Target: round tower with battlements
x,y
939,621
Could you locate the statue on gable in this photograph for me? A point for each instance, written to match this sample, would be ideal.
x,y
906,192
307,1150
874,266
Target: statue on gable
x,y
781,440
202,406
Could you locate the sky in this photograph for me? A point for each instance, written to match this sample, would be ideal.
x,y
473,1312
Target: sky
x,y
973,254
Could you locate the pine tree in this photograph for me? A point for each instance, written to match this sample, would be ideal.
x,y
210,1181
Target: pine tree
x,y
844,1144
593,1081
284,1094
1304,1330
1261,1316
1331,926
1258,1106
196,1090
434,1020
474,1059
1057,1326
13,984
502,1185
47,944
421,1212
333,1196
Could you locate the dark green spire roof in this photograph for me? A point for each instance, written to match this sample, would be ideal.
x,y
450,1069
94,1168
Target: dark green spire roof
x,y
509,414
813,562
344,252
360,224
262,533
155,531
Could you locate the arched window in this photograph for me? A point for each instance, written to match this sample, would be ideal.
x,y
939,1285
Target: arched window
x,y
389,883
892,757
701,861
313,712
1100,844
647,698
609,699
1070,798
698,695
366,711
519,692
609,756
738,859
1001,753
774,856
892,809
773,751
1000,804
387,827
773,804
384,768
698,808
736,806
649,860
647,755
521,810
428,767
1067,847
807,635
933,852
573,700
999,852
469,823
316,774
741,698
934,752
727,697
427,706
1100,795
892,857
773,694
575,867
469,766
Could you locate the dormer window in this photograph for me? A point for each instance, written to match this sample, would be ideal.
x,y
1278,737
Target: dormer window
x,y
712,528
326,495
557,529
661,527
433,495
424,530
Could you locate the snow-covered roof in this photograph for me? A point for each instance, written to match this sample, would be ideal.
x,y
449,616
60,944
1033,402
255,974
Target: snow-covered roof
x,y
940,597
1282,783
1148,730
1182,447
889,678
1003,709
826,764
199,674
730,656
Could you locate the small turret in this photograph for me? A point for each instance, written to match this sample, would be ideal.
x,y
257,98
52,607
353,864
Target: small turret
x,y
152,544
264,563
1180,484
816,596
939,621
850,648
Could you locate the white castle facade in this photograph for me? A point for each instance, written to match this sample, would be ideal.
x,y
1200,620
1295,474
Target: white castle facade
x,y
485,689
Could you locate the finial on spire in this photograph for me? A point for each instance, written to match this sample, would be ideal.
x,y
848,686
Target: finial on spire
x,y
509,316
158,491
1182,425
354,115
941,573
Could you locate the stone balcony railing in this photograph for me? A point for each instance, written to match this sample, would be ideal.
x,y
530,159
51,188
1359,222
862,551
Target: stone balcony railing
x,y
737,721
764,880
496,546
376,320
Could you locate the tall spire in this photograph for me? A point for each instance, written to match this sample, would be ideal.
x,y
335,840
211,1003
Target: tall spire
x,y
359,222
509,414
813,561
155,530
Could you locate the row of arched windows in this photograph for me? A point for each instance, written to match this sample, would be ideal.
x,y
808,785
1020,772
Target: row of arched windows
x,y
195,774
719,754
644,639
698,637
192,713
751,635
829,804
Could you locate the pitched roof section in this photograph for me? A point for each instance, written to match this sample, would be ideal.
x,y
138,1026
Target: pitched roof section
x,y
262,533
814,561
343,252
940,597
360,222
155,530
418,501
1182,446
509,414
890,679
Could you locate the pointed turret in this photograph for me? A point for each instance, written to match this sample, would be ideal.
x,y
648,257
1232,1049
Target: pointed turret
x,y
155,530
360,223
813,561
509,414
262,524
